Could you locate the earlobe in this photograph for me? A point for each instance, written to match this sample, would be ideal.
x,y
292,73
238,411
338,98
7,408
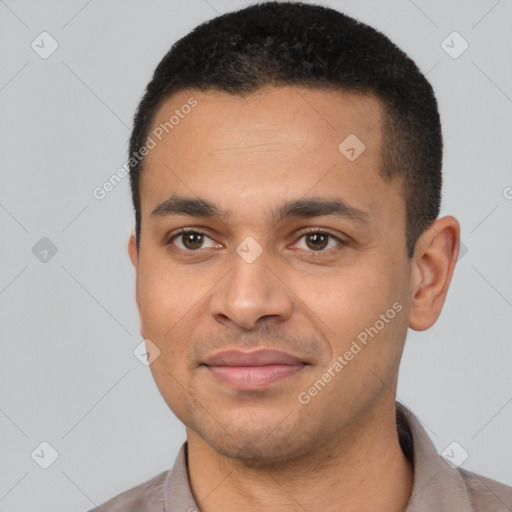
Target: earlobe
x,y
433,265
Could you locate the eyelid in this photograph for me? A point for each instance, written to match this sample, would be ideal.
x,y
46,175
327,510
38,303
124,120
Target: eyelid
x,y
322,231
182,231
188,229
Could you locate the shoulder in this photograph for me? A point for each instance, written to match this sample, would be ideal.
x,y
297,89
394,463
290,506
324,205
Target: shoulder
x,y
146,497
486,494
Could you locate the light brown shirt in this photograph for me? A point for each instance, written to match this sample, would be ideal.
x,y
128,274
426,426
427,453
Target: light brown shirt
x,y
437,485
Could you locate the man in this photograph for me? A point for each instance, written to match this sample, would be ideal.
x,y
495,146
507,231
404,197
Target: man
x,y
286,178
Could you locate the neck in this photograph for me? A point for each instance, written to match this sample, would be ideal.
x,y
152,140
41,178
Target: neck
x,y
370,472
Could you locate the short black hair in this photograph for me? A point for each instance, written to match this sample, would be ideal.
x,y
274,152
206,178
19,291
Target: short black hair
x,y
273,44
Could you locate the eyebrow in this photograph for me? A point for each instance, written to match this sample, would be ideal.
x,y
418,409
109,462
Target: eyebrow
x,y
304,208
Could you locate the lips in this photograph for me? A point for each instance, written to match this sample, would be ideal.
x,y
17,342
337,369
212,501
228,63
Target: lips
x,y
255,358
252,370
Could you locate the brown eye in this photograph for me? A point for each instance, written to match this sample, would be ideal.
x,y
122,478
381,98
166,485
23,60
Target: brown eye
x,y
317,241
191,240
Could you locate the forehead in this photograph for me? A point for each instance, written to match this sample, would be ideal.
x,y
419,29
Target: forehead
x,y
275,142
311,114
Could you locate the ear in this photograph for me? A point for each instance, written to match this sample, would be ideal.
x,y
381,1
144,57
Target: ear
x,y
434,261
133,252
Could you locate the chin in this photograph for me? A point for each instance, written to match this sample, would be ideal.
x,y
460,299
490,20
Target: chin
x,y
252,453
254,442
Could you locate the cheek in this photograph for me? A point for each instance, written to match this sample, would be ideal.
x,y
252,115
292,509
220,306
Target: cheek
x,y
163,311
166,293
347,301
172,307
157,306
361,310
173,388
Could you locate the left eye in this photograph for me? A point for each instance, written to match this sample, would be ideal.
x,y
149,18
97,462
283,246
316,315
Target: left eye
x,y
319,241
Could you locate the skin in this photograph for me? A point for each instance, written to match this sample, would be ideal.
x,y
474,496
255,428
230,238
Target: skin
x,y
261,450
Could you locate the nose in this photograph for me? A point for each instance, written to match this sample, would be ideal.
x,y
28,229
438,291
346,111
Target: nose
x,y
251,293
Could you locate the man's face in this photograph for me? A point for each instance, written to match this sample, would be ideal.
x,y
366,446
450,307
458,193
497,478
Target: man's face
x,y
257,277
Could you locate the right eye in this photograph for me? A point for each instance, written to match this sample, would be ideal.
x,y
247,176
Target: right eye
x,y
190,240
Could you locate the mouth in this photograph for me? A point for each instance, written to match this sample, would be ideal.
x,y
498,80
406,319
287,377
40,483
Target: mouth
x,y
253,370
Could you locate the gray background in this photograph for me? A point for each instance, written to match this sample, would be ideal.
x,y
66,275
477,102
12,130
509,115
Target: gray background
x,y
69,324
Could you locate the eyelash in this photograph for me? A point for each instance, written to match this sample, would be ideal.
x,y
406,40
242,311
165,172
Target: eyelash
x,y
300,234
